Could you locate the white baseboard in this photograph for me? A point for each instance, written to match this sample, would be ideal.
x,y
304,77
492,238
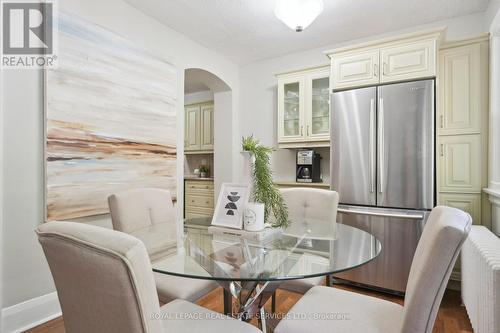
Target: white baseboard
x,y
23,316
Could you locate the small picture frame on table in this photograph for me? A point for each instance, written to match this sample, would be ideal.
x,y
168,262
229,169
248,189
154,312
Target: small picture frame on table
x,y
231,204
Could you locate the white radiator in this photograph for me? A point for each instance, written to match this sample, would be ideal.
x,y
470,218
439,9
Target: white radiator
x,y
481,279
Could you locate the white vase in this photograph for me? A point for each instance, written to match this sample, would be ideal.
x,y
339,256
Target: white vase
x,y
247,172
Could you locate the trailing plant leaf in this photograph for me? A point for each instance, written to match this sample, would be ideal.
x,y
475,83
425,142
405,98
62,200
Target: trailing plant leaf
x,y
264,190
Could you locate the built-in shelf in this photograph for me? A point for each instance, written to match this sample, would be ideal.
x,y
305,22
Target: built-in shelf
x,y
197,178
198,152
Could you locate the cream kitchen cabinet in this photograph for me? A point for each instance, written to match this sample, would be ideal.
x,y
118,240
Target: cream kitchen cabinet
x,y
355,69
462,126
395,59
470,203
408,60
304,108
199,124
460,164
459,90
198,198
207,127
192,128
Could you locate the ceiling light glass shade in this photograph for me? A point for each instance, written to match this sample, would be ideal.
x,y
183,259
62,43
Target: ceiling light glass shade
x,y
298,14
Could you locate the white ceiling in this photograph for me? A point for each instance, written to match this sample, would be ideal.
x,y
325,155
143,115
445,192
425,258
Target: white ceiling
x,y
247,30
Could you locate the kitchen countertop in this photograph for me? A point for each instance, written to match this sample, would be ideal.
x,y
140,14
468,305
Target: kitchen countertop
x,y
197,178
294,183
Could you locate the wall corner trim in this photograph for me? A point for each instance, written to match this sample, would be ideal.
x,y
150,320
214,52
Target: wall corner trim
x,y
28,314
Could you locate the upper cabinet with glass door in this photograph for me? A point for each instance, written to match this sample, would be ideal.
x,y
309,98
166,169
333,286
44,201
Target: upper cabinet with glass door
x,y
292,120
304,108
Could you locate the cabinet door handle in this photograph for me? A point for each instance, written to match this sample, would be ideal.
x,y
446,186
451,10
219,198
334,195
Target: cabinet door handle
x,y
307,130
301,130
441,121
442,149
375,70
383,68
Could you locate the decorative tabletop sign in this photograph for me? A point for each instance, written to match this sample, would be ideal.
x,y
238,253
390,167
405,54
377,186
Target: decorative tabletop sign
x,y
254,216
231,204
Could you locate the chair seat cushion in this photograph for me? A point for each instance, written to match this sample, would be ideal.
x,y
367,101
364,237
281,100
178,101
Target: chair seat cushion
x,y
170,287
159,239
303,285
332,310
180,316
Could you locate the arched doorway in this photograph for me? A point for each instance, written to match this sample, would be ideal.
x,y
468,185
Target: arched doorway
x,y
208,131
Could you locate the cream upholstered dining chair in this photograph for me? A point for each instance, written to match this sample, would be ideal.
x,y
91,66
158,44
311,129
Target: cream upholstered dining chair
x,y
105,284
438,248
313,205
148,214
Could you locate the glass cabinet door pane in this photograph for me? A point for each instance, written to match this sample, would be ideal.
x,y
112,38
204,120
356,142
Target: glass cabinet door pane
x,y
291,116
320,106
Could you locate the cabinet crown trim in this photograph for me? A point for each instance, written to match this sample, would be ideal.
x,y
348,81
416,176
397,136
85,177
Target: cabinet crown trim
x,y
485,37
303,70
436,33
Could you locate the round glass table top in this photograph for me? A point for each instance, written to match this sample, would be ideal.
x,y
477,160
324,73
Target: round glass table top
x,y
308,248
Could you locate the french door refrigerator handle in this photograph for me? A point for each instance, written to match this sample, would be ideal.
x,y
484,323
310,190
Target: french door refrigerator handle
x,y
380,144
372,145
412,216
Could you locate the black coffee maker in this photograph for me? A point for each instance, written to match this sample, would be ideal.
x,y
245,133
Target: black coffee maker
x,y
308,167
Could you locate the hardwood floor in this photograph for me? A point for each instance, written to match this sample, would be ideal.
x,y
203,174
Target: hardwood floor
x,y
452,317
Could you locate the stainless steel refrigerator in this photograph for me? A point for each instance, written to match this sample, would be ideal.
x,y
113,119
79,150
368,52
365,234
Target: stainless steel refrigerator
x,y
382,166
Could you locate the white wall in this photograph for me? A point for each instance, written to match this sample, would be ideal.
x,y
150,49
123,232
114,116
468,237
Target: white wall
x,y
223,127
25,272
258,102
1,187
491,15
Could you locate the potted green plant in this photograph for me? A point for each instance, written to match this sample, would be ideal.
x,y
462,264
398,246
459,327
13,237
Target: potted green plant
x,y
263,188
204,171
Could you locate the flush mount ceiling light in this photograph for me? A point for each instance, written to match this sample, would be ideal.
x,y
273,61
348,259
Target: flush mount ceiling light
x,y
298,14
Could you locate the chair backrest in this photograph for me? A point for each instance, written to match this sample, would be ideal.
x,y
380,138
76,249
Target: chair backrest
x,y
437,251
103,277
138,208
311,203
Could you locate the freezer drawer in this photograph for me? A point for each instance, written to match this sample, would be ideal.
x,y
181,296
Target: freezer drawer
x,y
398,231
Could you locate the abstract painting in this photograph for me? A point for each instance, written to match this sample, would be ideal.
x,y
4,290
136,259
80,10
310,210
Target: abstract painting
x,y
231,205
110,120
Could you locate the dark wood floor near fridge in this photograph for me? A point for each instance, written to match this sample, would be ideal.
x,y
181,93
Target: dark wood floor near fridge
x,y
452,317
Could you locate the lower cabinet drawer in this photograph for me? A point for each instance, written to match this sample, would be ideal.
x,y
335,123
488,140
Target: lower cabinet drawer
x,y
197,212
199,201
199,186
198,198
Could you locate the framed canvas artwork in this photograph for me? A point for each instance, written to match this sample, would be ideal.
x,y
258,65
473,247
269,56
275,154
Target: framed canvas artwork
x,y
111,120
231,205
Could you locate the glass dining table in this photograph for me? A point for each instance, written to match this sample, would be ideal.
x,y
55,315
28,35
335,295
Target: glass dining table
x,y
251,268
